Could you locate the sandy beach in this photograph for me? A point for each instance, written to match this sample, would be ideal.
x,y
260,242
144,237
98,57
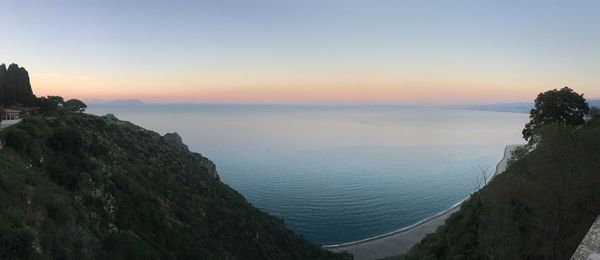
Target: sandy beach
x,y
400,241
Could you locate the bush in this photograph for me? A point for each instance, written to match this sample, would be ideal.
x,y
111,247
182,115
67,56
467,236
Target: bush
x,y
563,106
74,105
66,140
128,246
16,244
539,208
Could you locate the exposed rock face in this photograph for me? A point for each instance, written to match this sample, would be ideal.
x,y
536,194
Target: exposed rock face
x,y
3,90
89,187
111,117
15,87
590,246
175,139
207,164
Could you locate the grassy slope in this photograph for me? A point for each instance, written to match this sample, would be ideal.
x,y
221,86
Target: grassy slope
x,y
81,186
540,208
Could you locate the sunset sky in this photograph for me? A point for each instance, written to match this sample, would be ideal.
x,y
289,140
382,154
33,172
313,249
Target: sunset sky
x,y
322,51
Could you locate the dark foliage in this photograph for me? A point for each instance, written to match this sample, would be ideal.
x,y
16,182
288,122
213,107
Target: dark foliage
x,y
74,105
50,105
55,105
540,208
84,187
563,106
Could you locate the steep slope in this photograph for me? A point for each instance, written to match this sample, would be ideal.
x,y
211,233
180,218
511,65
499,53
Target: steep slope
x,y
80,187
540,208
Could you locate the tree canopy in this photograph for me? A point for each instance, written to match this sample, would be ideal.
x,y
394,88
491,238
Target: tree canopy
x,y
74,105
50,105
563,106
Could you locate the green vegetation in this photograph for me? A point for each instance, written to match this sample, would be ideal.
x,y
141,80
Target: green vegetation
x,y
49,105
55,105
539,208
74,105
16,93
78,186
562,106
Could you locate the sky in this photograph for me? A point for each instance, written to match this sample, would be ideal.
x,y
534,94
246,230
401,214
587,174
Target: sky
x,y
309,51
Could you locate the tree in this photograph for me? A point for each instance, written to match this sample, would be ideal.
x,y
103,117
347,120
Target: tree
x,y
50,105
563,106
74,105
58,100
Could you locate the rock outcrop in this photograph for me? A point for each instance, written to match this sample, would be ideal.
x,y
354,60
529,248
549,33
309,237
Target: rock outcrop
x,y
175,139
15,86
79,186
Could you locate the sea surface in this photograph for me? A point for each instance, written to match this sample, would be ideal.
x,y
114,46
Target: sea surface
x,y
338,174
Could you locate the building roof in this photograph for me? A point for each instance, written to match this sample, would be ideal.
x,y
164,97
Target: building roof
x,y
7,110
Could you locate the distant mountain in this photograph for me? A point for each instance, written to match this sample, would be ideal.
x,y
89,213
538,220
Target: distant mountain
x,y
516,107
78,186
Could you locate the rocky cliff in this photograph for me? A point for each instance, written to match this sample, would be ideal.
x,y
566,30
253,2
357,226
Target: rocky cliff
x,y
85,187
15,87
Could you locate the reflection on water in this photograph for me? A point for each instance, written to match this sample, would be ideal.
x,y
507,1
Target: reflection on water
x,y
339,173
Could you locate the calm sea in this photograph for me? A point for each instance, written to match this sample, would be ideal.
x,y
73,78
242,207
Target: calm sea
x,y
340,173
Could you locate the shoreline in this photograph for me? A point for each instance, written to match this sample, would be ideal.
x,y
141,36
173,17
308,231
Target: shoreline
x,y
400,241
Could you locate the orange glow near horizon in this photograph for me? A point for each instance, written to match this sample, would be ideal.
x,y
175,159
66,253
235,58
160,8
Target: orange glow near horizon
x,y
440,90
278,52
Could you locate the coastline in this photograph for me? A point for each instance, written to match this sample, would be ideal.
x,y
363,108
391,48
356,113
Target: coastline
x,y
400,241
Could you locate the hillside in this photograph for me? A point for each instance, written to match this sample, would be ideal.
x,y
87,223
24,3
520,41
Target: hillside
x,y
85,187
540,208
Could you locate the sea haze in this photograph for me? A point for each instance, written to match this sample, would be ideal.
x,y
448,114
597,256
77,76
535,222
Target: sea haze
x,y
339,173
